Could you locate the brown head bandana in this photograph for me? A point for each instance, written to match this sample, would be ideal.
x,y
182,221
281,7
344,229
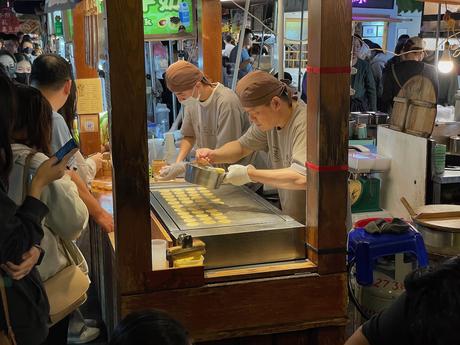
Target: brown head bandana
x,y
258,88
182,76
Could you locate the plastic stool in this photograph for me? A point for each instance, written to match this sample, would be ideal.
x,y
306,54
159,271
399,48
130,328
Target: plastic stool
x,y
364,248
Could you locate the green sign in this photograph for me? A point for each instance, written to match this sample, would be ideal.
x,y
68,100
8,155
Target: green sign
x,y
167,17
58,31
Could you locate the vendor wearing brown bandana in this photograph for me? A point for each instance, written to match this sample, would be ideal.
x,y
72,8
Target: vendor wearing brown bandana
x,y
213,115
278,127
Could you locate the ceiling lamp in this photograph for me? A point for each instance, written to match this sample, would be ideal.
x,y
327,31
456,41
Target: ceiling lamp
x,y
445,64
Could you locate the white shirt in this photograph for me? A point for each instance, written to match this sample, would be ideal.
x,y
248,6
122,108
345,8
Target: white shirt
x,y
228,49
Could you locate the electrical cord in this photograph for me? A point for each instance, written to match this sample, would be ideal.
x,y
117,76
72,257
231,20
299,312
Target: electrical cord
x,y
351,292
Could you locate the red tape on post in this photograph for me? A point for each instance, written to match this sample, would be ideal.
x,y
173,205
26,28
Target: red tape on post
x,y
329,70
326,168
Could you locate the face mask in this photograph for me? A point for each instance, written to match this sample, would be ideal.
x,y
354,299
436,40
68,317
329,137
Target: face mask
x,y
364,52
191,100
27,51
23,78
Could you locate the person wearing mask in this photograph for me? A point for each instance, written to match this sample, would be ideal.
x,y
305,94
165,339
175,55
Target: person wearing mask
x,y
67,215
8,61
52,75
426,313
411,64
278,127
21,233
27,47
362,82
213,115
23,68
247,60
150,327
228,46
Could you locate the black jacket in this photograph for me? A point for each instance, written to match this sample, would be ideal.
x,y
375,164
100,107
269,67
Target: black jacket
x,y
404,70
20,229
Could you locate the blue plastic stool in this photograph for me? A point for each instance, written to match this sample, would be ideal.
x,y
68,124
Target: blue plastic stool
x,y
364,248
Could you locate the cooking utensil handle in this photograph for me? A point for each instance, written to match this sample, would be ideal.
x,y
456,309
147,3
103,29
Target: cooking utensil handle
x,y
408,207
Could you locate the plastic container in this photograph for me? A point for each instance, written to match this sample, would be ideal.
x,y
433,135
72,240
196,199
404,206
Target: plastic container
x,y
159,261
170,148
161,119
184,14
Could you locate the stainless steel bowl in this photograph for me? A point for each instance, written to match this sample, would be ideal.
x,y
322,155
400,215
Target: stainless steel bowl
x,y
204,176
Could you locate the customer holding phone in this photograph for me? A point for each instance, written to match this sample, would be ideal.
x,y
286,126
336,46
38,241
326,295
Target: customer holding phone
x,y
21,233
68,214
52,75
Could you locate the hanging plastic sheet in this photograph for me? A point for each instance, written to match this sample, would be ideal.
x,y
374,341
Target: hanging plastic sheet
x,y
60,5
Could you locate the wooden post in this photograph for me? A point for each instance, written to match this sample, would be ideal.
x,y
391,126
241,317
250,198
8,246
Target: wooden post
x,y
82,69
90,142
329,51
125,39
211,38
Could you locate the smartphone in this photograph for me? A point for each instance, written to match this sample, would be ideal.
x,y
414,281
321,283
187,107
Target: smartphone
x,y
68,146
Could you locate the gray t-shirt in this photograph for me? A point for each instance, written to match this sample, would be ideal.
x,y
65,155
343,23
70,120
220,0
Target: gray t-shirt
x,y
216,121
285,147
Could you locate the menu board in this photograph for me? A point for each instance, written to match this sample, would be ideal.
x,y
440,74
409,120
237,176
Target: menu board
x,y
168,17
89,100
383,4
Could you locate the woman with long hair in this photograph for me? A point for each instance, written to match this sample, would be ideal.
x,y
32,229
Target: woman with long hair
x,y
67,215
21,234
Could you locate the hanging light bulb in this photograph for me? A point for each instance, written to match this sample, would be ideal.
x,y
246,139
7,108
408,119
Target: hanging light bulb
x,y
445,64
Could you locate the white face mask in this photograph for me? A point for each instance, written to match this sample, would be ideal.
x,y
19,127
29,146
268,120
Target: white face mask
x,y
191,100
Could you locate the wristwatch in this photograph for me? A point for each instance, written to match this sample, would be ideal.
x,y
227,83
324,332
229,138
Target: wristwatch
x,y
42,254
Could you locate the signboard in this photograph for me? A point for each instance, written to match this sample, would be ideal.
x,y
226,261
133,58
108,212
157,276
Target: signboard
x,y
89,100
381,4
168,17
8,21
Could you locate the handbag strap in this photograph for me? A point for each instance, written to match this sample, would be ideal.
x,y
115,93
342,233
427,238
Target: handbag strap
x,y
25,174
395,76
6,311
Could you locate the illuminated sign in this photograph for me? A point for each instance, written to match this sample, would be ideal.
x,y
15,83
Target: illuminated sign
x,y
381,4
167,17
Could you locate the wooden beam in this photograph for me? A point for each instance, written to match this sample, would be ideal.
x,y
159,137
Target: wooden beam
x,y
327,133
211,38
82,69
128,121
251,307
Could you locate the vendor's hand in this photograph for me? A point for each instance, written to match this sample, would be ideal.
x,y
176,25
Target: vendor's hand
x,y
205,154
105,221
97,158
30,259
49,171
170,172
238,174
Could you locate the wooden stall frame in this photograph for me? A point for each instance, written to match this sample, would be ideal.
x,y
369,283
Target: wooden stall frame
x,y
311,300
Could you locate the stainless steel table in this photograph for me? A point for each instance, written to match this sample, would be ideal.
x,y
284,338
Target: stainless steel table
x,y
237,225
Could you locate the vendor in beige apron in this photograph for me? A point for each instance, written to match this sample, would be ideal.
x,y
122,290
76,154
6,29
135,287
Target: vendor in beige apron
x,y
213,115
278,127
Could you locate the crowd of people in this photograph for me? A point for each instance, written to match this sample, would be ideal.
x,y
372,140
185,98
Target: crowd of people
x,y
45,203
379,76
